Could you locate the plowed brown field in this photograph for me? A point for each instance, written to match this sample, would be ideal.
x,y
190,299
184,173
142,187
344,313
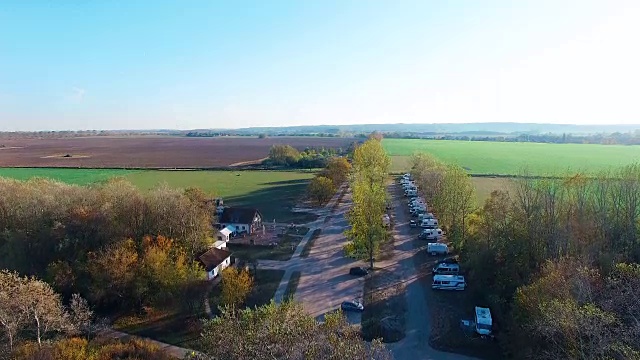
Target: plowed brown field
x,y
148,151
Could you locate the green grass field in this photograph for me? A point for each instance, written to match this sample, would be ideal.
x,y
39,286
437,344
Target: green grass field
x,y
479,157
272,192
69,176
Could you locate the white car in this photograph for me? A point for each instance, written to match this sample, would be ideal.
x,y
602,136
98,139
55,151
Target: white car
x,y
437,249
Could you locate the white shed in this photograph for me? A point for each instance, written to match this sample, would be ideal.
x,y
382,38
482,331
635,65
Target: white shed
x,y
225,233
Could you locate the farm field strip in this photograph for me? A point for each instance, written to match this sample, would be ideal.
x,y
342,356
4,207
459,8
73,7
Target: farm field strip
x,y
509,158
272,192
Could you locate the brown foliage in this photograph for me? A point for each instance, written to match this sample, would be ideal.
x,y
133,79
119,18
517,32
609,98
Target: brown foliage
x,y
285,332
80,349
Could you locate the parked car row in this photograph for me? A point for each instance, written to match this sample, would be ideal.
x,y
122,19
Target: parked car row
x,y
420,211
446,272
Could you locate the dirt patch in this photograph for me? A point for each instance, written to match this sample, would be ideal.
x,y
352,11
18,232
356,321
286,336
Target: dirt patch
x,y
250,162
282,249
385,305
66,156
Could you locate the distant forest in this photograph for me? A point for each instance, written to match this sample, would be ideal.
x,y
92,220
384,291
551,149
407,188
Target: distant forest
x,y
503,132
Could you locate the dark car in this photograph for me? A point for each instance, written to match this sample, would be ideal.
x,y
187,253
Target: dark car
x,y
352,305
359,271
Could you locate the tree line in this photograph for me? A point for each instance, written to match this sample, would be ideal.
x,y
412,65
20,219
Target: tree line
x,y
556,260
310,158
367,182
116,246
615,138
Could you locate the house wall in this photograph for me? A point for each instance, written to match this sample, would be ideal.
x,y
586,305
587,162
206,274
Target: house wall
x,y
239,227
218,269
222,237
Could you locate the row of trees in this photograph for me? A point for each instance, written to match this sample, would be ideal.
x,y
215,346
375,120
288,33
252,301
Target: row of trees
x,y
555,259
309,158
448,191
370,169
562,247
324,185
111,243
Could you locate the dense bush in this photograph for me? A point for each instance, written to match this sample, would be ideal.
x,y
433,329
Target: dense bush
x,y
111,243
81,349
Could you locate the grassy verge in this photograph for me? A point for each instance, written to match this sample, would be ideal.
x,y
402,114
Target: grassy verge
x,y
292,286
266,283
384,307
281,252
307,247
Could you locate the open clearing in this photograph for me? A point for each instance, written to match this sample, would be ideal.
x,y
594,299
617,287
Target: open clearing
x,y
149,151
485,185
274,193
509,158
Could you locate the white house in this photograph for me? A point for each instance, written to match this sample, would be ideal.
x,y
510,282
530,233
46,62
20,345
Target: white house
x,y
244,220
214,261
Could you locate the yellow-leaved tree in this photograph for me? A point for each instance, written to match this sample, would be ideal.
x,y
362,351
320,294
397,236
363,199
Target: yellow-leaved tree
x,y
236,284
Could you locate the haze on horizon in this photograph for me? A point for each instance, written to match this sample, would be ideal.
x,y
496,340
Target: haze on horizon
x,y
213,64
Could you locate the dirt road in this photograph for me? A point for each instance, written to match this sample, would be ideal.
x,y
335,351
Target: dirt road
x,y
415,345
325,280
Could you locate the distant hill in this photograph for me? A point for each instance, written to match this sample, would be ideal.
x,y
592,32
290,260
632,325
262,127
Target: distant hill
x,y
491,128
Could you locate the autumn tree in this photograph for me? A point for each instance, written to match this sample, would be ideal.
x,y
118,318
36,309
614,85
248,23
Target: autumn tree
x,y
30,306
285,155
285,331
455,201
370,168
337,170
321,189
236,284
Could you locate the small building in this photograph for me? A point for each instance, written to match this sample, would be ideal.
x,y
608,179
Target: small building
x,y
244,220
225,233
214,261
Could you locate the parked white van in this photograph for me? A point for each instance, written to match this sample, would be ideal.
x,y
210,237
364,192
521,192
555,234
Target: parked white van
x,y
437,249
429,224
431,234
409,188
484,323
448,282
426,215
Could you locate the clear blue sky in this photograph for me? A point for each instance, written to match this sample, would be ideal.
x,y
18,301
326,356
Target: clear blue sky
x,y
89,64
